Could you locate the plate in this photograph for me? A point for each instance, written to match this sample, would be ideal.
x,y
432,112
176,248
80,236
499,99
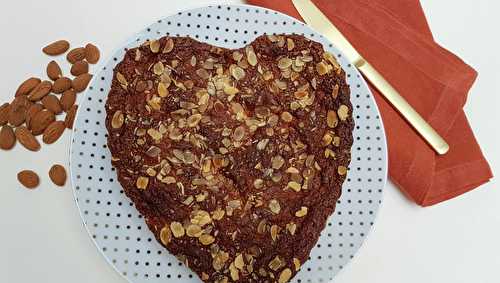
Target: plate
x,y
118,230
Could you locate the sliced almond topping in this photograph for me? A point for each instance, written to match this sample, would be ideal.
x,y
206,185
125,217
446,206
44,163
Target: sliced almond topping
x,y
294,186
238,73
177,229
290,44
291,227
239,133
327,139
194,231
154,46
168,46
275,229
258,183
335,91
296,263
261,145
251,57
322,68
329,153
286,116
292,170
343,112
332,119
277,162
285,276
142,182
158,68
284,63
165,235
274,206
342,170
117,120
162,90
276,263
239,262
206,239
302,212
194,120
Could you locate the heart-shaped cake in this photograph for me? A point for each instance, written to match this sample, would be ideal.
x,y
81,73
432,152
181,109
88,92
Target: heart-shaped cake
x,y
235,158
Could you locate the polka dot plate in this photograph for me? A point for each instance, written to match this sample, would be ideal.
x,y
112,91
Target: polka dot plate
x,y
118,230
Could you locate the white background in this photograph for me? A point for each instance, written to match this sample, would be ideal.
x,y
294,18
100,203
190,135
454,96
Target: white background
x,y
41,235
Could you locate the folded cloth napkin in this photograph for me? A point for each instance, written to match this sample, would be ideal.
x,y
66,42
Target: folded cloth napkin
x,y
394,36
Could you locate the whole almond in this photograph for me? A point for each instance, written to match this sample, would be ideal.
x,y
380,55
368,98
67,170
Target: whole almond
x,y
92,53
41,121
81,82
28,178
57,174
17,114
56,48
40,91
27,86
25,137
70,117
4,113
53,132
61,85
80,67
76,54
67,99
32,111
52,103
53,70
7,137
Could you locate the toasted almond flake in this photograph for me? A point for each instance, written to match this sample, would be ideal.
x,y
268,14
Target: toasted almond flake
x,y
153,151
322,68
329,153
169,46
302,212
276,263
285,276
230,90
162,90
218,214
177,229
274,232
286,116
294,186
237,56
284,63
343,112
327,139
251,56
234,272
261,145
154,46
239,262
239,133
296,263
117,120
342,170
202,73
121,79
194,120
193,61
292,228
274,206
331,119
301,94
158,68
258,183
155,134
330,58
165,235
277,161
336,141
142,182
290,44
335,91
206,239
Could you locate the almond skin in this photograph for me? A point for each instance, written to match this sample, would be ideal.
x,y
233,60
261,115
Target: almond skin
x,y
4,113
92,53
56,48
32,111
40,91
53,132
52,103
53,70
80,67
28,178
76,54
58,175
67,99
17,110
25,137
7,137
41,121
27,86
70,117
61,85
81,82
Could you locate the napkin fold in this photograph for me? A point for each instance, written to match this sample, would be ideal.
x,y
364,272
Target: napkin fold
x,y
394,36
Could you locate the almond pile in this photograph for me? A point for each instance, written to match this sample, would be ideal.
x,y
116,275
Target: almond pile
x,y
39,104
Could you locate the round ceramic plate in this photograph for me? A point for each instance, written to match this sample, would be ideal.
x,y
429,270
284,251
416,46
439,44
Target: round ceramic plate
x,y
118,230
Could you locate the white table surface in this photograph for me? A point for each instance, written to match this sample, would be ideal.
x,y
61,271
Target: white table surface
x,y
42,238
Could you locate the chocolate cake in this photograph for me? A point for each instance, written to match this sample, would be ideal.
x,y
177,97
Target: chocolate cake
x,y
235,158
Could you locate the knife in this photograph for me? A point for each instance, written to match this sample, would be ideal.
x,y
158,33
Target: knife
x,y
313,16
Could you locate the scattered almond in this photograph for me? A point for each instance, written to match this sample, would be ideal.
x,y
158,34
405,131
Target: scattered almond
x,y
52,103
67,99
28,178
76,54
7,137
32,111
40,91
80,67
56,48
92,53
53,70
27,86
17,114
25,137
70,117
81,82
61,85
57,174
4,113
41,121
53,132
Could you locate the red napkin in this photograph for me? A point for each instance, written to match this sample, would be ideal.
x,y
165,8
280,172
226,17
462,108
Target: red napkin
x,y
394,36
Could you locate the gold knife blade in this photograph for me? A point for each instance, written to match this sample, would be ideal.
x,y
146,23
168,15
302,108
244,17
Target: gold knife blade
x,y
313,16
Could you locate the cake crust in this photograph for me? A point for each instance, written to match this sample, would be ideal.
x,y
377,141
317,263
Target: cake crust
x,y
235,158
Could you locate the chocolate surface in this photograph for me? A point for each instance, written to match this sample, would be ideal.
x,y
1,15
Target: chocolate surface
x,y
235,158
